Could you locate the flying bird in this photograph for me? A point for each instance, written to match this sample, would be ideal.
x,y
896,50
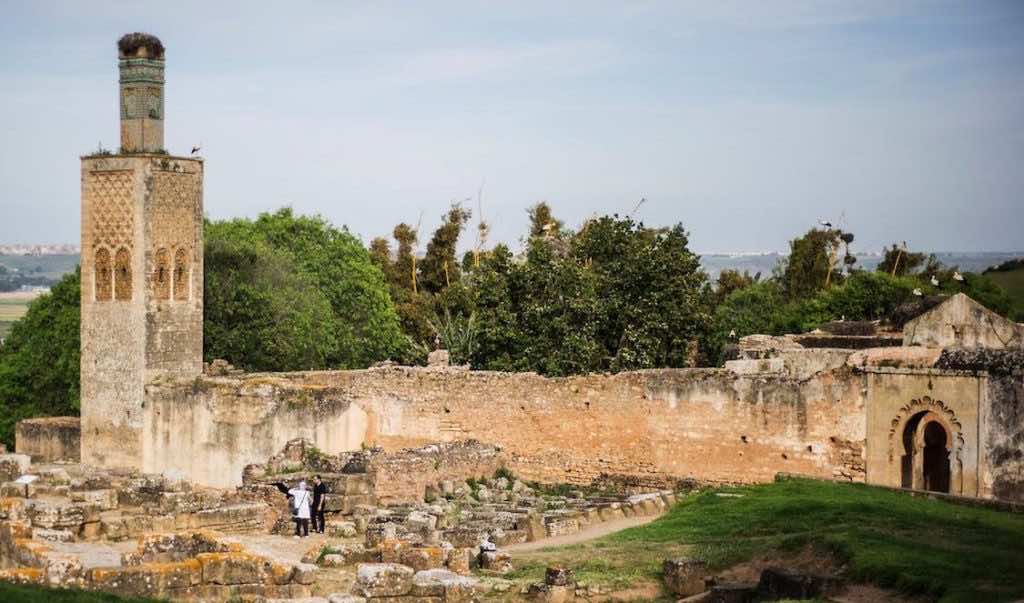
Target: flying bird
x,y
917,292
958,277
196,149
825,223
935,281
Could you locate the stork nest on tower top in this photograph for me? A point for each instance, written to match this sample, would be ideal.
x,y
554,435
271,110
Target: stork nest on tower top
x,y
130,44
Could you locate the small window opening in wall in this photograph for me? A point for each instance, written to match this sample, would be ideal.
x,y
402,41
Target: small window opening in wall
x,y
744,439
122,275
161,278
104,277
810,448
181,285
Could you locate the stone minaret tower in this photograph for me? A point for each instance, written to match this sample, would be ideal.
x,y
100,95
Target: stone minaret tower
x,y
142,266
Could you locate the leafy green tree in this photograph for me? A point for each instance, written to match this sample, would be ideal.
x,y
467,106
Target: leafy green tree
x,y
810,263
366,328
557,313
261,311
730,280
439,267
863,296
653,294
899,261
753,309
542,222
39,362
404,258
499,340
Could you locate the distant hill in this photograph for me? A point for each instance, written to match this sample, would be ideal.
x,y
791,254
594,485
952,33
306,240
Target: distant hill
x,y
975,261
54,265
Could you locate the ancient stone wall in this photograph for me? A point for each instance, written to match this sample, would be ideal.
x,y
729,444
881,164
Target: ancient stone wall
x,y
49,439
647,428
404,476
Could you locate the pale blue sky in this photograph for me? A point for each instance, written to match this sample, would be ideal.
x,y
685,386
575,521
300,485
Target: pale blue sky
x,y
745,121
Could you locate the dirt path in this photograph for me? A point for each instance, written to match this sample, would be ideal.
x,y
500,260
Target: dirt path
x,y
589,533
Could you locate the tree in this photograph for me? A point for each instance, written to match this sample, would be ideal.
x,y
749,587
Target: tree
x,y
439,268
898,261
730,280
366,328
261,311
499,339
745,311
404,258
542,222
810,266
39,362
653,294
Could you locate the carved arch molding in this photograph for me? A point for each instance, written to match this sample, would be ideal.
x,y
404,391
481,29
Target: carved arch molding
x,y
932,411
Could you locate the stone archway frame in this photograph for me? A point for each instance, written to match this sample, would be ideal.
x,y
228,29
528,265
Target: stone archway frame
x,y
935,411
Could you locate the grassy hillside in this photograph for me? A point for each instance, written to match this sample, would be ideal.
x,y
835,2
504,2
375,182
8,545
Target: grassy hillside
x,y
890,539
1013,281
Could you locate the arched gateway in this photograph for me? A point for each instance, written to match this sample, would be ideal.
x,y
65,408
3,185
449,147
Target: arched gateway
x,y
926,440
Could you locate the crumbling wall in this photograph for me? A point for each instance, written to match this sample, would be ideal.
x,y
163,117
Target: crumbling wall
x,y
646,428
403,476
49,439
208,429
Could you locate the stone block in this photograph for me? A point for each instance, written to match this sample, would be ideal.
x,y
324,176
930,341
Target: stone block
x,y
23,576
459,560
383,579
685,577
559,576
496,561
423,557
13,466
562,526
343,598
547,593
147,580
304,573
231,568
507,537
62,570
449,586
48,535
345,529
610,513
106,500
49,439
14,490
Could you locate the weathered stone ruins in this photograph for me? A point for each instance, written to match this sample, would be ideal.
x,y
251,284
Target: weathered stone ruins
x,y
166,485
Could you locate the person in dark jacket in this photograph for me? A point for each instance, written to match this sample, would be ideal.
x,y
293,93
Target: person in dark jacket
x,y
319,500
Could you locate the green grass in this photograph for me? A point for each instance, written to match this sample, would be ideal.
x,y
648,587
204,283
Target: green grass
x,y
917,546
10,311
10,593
13,309
1013,282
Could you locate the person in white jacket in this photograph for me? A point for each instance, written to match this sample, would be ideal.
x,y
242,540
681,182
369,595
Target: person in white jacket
x,y
301,501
